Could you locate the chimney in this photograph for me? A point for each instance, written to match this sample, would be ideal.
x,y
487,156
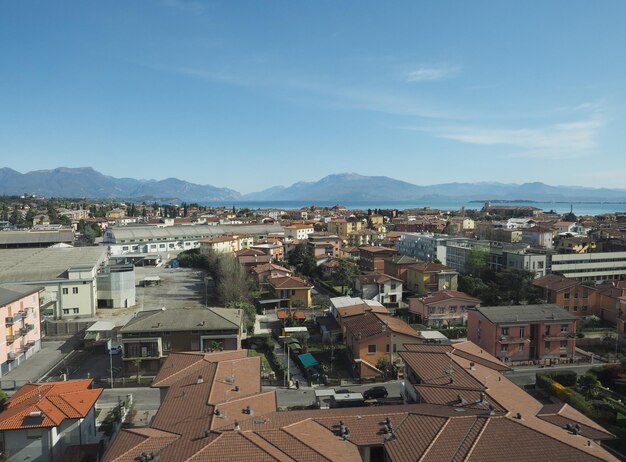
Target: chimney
x,y
200,380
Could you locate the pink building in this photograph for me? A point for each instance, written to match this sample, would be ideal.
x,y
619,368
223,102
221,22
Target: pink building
x,y
443,308
523,332
21,334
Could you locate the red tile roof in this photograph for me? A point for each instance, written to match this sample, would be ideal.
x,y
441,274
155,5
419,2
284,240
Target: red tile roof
x,y
56,401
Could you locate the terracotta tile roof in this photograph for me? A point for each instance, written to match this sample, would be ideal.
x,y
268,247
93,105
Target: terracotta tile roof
x,y
555,282
431,267
231,446
370,324
269,267
448,295
56,401
377,249
458,397
291,445
440,369
503,438
288,282
249,253
455,440
561,414
416,436
133,441
376,278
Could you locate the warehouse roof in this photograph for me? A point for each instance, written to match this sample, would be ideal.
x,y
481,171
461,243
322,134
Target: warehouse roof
x,y
43,264
184,232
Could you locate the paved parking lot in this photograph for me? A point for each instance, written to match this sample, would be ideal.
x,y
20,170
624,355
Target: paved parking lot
x,y
179,288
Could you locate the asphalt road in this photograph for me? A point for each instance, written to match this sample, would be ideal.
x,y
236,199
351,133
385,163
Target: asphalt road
x,y
527,375
305,396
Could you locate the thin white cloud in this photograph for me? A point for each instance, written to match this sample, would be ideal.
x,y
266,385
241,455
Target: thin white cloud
x,y
429,73
561,140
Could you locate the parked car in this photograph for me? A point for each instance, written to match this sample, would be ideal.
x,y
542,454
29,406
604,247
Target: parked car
x,y
116,350
375,392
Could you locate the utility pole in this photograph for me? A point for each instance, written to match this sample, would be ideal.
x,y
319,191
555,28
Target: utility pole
x,y
111,365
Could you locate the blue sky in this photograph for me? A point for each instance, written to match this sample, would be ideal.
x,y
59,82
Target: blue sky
x,y
251,94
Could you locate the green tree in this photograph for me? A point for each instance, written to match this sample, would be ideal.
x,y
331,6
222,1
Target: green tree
x,y
304,262
589,385
384,365
477,262
346,272
3,398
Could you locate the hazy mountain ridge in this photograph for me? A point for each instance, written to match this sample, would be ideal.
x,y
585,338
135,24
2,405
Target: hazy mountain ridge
x,y
348,187
87,182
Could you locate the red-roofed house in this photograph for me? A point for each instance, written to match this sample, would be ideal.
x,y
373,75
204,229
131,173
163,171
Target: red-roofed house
x,y
372,336
443,308
41,420
293,292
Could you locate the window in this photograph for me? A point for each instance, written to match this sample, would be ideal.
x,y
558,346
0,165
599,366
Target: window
x,y
453,309
293,292
547,330
564,328
387,348
393,286
563,345
66,311
74,290
371,349
547,346
75,310
584,308
431,310
442,309
521,348
566,295
522,331
125,247
504,348
65,290
505,331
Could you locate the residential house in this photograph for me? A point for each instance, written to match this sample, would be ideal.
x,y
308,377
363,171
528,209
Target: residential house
x,y
380,287
293,292
467,380
569,227
351,253
428,277
343,227
224,412
19,307
275,251
249,258
544,333
344,307
611,302
324,245
571,295
575,244
299,230
372,258
150,336
538,236
372,336
362,237
42,421
397,265
262,273
461,225
225,244
442,309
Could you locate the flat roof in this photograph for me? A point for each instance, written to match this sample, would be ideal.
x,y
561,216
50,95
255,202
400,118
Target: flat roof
x,y
43,264
525,313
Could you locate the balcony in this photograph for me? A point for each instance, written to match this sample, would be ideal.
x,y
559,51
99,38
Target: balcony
x,y
13,355
30,344
560,336
10,320
507,339
10,339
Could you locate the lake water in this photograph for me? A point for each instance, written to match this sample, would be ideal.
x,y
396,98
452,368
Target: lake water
x,y
579,208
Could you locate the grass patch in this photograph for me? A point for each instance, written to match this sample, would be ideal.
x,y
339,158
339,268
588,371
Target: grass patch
x,y
265,364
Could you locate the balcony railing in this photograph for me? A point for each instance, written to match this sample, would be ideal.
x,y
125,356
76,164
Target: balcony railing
x,y
10,339
10,320
12,355
560,336
506,339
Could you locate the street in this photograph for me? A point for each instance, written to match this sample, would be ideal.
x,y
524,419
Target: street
x,y
526,375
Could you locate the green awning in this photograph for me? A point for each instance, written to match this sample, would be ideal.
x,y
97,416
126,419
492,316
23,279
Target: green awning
x,y
308,360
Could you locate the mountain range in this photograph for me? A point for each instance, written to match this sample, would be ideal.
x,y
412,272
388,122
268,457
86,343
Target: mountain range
x,y
345,187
